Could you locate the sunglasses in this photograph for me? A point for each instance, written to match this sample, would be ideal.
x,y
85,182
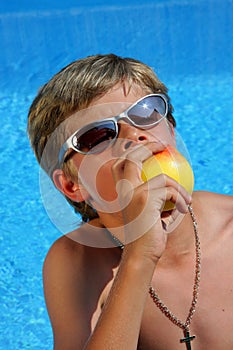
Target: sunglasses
x,y
97,136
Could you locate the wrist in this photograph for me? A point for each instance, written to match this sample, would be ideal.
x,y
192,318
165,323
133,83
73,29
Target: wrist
x,y
139,260
147,249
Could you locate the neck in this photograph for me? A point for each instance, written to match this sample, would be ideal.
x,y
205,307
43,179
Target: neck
x,y
180,242
180,237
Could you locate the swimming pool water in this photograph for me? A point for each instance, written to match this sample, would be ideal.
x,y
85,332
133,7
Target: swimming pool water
x,y
27,232
201,93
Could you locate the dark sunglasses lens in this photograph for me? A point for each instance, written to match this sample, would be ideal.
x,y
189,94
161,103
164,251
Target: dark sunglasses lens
x,y
95,139
148,111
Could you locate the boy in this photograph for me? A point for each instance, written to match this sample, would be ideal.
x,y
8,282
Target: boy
x,y
104,298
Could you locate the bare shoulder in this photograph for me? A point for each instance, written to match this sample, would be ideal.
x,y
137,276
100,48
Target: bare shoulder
x,y
67,256
216,210
63,253
61,263
213,200
72,266
74,278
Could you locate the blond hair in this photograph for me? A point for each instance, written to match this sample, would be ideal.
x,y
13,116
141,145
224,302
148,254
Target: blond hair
x,y
74,88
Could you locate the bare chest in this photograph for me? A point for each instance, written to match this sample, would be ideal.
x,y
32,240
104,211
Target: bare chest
x,y
212,322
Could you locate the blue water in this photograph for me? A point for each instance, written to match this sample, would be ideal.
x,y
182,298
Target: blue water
x,y
189,43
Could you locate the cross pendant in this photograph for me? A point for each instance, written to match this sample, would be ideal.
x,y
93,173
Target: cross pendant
x,y
187,339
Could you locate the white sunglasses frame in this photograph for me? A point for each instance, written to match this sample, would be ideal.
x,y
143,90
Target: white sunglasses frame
x,y
70,144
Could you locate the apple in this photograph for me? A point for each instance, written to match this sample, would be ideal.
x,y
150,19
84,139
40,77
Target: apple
x,y
172,163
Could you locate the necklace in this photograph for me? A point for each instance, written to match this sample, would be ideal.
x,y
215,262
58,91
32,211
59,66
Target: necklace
x,y
162,307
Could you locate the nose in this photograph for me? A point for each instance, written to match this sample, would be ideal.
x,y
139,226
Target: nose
x,y
131,135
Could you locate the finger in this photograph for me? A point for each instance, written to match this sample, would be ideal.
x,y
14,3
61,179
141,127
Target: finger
x,y
129,165
173,195
172,219
163,180
146,210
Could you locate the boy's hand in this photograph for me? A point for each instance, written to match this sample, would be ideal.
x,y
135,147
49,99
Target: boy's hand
x,y
142,202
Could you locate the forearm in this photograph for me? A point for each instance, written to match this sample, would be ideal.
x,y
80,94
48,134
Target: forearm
x,y
119,324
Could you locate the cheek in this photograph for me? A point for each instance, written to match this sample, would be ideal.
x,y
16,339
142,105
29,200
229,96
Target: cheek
x,y
105,183
164,132
95,175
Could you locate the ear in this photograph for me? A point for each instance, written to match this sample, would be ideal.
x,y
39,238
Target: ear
x,y
75,191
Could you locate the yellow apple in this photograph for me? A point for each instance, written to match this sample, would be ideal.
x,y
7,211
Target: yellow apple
x,y
173,164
